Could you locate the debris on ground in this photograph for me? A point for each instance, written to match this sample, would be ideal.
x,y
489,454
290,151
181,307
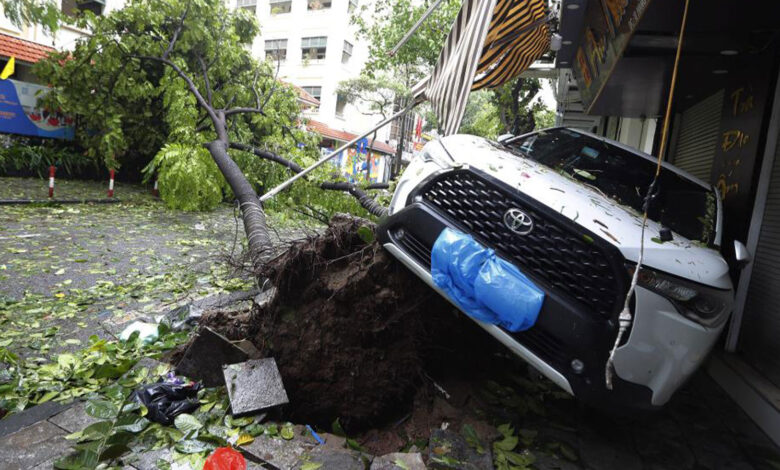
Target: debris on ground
x,y
254,386
147,332
205,356
448,449
399,461
168,398
225,458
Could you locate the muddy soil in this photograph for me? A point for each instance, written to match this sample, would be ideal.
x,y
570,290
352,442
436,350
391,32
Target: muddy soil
x,y
357,337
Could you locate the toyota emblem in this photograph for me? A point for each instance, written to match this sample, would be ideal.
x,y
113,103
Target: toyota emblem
x,y
518,221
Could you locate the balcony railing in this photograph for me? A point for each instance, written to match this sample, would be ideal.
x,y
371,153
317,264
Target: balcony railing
x,y
246,3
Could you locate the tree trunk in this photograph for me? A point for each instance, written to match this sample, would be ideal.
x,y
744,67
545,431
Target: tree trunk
x,y
251,210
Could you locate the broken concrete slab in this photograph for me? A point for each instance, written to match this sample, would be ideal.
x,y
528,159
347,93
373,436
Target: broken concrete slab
x,y
31,446
30,416
398,461
278,452
254,386
207,353
74,419
336,461
147,460
249,348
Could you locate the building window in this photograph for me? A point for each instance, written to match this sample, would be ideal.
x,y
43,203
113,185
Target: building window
x,y
346,53
313,48
352,5
249,5
341,103
280,6
315,91
318,4
74,7
276,49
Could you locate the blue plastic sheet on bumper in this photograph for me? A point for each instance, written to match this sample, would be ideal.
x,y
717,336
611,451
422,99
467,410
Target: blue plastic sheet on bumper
x,y
483,285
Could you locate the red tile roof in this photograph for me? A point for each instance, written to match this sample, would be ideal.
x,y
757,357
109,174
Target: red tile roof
x,y
344,136
26,51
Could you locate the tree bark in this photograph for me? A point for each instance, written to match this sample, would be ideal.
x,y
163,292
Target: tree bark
x,y
251,210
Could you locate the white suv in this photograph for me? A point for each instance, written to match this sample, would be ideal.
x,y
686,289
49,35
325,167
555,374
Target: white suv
x,y
563,208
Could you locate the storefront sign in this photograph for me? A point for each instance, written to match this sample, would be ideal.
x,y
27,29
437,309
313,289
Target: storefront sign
x,y
609,25
738,145
20,114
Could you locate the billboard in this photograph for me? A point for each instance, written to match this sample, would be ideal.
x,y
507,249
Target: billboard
x,y
20,114
609,25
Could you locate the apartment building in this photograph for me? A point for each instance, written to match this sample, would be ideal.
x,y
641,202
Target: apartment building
x,y
315,47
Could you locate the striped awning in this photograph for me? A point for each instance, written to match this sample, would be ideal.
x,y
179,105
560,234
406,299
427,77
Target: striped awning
x,y
490,43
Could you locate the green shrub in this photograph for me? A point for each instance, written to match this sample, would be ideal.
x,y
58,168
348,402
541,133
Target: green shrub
x,y
22,157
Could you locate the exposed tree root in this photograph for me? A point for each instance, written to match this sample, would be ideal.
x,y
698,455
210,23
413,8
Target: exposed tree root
x,y
350,328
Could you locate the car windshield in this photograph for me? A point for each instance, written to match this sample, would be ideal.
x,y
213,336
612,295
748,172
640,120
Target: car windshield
x,y
679,204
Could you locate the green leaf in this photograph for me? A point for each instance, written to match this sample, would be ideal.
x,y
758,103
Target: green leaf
x,y
288,432
366,234
101,409
311,466
187,423
114,451
131,423
192,446
96,431
353,444
401,464
337,429
48,396
78,461
472,439
508,443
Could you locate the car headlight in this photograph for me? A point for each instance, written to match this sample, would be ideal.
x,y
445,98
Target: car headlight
x,y
705,305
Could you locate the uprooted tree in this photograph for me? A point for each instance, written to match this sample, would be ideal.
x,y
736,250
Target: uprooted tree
x,y
181,72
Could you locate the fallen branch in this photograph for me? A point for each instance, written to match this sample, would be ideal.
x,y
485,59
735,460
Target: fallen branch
x,y
363,198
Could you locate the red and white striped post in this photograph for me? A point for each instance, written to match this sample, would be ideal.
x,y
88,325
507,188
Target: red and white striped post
x,y
155,191
111,183
52,169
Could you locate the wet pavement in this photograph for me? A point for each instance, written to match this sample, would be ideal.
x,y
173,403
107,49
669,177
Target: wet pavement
x,y
78,262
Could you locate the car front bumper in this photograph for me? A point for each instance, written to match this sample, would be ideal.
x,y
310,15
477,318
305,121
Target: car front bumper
x,y
568,344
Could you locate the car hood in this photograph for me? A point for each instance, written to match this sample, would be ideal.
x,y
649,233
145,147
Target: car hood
x,y
617,224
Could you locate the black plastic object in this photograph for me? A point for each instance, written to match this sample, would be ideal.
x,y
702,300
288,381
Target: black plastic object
x,y
166,400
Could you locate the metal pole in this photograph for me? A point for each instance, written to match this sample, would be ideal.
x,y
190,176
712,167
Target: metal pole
x,y
414,28
324,159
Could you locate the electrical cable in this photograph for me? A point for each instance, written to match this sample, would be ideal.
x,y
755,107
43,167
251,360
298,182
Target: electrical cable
x,y
625,319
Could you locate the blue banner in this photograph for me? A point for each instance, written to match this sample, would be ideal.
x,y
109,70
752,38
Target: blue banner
x,y
20,114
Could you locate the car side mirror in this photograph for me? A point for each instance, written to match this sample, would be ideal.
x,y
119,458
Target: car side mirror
x,y
504,137
741,254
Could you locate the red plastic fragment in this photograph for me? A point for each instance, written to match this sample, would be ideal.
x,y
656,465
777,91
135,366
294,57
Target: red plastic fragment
x,y
225,458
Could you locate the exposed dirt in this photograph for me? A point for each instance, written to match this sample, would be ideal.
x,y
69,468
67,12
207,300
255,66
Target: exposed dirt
x,y
358,337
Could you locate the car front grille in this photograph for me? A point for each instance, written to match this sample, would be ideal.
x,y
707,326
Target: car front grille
x,y
557,254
